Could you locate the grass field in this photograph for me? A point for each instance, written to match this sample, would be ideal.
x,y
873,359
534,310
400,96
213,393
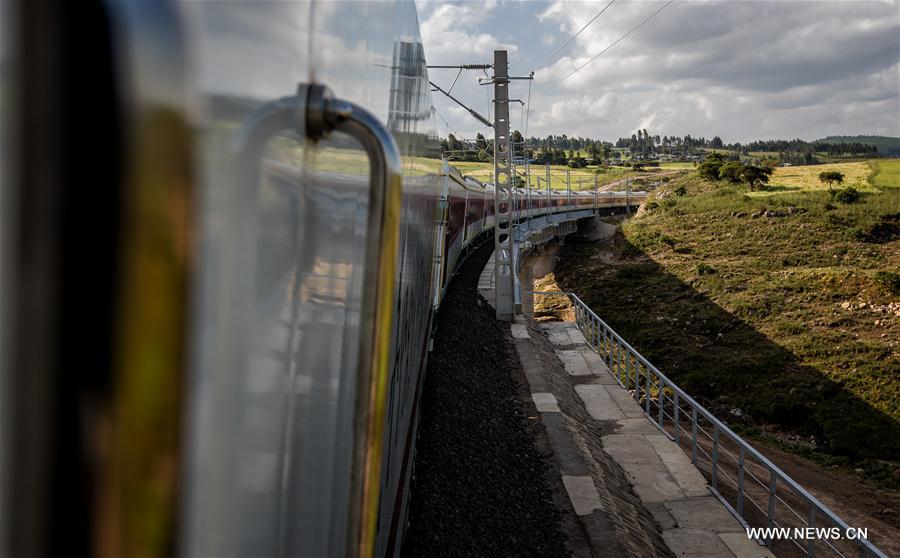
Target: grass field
x,y
581,179
807,177
886,173
781,312
676,166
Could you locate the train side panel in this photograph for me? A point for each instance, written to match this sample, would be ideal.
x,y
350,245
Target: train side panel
x,y
279,294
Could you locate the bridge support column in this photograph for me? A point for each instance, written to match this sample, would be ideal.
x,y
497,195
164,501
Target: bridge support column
x,y
526,284
504,263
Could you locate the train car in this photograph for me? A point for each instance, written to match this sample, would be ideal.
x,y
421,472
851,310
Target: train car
x,y
242,210
474,209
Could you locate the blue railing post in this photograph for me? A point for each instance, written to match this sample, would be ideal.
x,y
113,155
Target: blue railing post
x,y
660,400
694,434
740,493
770,514
647,390
676,418
715,458
811,543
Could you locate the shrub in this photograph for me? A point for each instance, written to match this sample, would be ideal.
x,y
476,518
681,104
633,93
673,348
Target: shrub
x,y
890,280
709,169
680,191
705,269
731,172
846,195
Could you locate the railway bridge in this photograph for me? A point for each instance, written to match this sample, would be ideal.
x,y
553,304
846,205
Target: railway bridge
x,y
646,469
254,248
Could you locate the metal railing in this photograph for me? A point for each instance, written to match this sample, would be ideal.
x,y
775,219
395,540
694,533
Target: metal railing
x,y
751,487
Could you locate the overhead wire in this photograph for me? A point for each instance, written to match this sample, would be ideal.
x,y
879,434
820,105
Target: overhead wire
x,y
455,80
470,143
572,38
549,58
445,120
633,29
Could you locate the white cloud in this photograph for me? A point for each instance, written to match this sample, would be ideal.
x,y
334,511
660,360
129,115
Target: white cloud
x,y
450,33
738,69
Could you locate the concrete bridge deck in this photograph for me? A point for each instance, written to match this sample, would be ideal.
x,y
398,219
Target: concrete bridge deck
x,y
691,521
634,490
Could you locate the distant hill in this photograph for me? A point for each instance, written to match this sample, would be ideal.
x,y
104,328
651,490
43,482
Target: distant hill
x,y
886,145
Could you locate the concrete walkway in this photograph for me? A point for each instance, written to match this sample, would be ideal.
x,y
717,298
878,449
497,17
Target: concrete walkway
x,y
486,280
582,395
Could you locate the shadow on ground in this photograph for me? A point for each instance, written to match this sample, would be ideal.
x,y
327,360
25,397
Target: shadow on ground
x,y
738,372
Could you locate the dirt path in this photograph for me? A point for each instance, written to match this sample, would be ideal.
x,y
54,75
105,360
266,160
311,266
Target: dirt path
x,y
613,185
853,500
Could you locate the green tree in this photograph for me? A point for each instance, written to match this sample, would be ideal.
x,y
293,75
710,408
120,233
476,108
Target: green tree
x,y
452,143
517,140
831,178
731,172
605,152
709,169
755,177
481,141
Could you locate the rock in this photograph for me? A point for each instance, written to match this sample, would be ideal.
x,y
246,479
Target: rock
x,y
845,305
471,408
860,471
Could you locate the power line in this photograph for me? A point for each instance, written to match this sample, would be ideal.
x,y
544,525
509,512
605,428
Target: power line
x,y
475,114
470,143
633,29
572,38
455,80
554,53
445,120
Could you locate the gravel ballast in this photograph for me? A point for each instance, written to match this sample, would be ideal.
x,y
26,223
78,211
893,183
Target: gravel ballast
x,y
481,486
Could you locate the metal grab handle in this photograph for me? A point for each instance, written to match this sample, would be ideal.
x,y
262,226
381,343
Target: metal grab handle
x,y
314,113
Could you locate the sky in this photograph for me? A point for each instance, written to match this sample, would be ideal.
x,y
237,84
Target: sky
x,y
742,70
